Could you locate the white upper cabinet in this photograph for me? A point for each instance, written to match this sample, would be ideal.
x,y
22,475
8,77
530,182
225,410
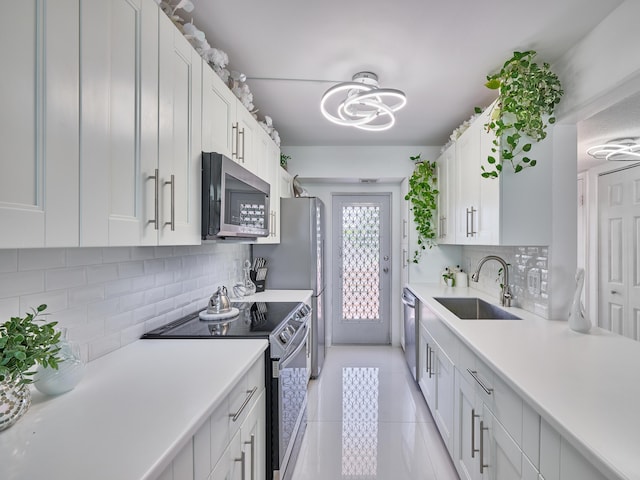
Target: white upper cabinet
x,y
446,171
177,184
269,171
141,127
218,115
477,199
39,167
514,209
119,72
247,131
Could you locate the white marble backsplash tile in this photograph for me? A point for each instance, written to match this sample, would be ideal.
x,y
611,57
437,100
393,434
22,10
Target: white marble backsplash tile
x,y
526,263
108,297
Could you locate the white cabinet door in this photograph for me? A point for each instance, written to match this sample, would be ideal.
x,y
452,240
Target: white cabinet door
x,y
271,174
467,185
477,199
247,130
218,114
39,159
466,429
253,441
118,63
500,455
445,385
446,170
428,368
229,467
180,145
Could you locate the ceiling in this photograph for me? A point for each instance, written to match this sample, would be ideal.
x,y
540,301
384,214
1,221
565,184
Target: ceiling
x,y
438,53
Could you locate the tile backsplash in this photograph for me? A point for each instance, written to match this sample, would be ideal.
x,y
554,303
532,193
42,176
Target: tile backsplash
x,y
108,297
528,274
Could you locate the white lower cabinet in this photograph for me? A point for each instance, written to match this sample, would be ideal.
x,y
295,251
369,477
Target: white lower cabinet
x,y
231,443
437,385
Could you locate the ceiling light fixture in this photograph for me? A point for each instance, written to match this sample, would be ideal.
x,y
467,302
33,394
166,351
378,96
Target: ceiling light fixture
x,y
365,106
620,150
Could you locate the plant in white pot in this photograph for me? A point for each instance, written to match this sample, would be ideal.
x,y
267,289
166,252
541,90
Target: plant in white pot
x,y
24,342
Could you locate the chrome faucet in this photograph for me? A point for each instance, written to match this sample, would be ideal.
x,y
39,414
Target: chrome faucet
x,y
505,294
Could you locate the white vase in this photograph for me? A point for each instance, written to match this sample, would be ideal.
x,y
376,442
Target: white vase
x,y
15,400
578,321
70,370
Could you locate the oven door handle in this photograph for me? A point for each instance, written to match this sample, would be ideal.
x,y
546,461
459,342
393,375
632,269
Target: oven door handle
x,y
286,359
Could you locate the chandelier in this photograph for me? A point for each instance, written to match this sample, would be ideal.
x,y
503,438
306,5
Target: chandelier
x,y
366,106
621,150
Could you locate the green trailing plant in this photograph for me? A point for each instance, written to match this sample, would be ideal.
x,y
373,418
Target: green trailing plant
x,y
284,159
528,95
24,341
423,195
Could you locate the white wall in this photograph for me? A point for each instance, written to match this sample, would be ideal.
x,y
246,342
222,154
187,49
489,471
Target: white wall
x,y
108,297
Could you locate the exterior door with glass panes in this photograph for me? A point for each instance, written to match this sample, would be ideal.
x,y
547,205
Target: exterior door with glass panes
x,y
361,268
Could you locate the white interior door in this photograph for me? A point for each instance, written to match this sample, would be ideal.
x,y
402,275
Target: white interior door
x,y
361,269
619,227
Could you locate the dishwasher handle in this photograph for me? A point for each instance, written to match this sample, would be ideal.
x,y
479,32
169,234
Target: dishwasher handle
x,y
408,299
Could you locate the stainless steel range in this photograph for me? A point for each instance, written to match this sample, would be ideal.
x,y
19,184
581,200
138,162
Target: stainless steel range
x,y
286,326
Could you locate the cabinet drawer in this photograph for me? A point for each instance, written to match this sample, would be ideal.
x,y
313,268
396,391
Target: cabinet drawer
x,y
496,395
244,395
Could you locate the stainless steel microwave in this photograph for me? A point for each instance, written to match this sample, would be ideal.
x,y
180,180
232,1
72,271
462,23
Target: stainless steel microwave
x,y
235,202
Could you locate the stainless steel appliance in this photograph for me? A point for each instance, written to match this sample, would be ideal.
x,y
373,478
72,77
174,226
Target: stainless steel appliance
x,y
297,263
235,202
411,335
286,326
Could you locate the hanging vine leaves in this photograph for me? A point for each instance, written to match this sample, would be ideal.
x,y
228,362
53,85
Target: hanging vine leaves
x,y
423,195
528,95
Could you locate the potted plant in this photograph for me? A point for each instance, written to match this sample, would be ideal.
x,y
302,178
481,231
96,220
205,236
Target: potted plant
x,y
528,94
24,342
284,159
423,195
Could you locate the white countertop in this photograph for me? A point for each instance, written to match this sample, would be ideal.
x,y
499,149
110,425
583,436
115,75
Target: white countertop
x,y
277,296
130,415
587,386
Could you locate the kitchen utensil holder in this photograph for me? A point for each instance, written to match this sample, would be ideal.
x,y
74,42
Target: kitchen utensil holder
x,y
260,284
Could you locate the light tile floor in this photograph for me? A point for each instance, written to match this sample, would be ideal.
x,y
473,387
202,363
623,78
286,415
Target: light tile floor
x,y
367,420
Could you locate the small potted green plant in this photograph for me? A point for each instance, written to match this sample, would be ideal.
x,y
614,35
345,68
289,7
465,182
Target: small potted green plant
x,y
284,159
423,195
24,342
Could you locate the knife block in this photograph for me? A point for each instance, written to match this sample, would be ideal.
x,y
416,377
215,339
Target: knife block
x,y
260,284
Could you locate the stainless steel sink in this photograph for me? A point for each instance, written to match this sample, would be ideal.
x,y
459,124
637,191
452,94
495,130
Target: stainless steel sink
x,y
472,308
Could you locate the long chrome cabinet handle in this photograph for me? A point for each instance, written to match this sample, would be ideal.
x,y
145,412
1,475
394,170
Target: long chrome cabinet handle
x,y
468,212
474,450
235,416
252,443
404,228
172,182
234,135
241,132
482,464
430,362
474,374
156,205
473,223
242,468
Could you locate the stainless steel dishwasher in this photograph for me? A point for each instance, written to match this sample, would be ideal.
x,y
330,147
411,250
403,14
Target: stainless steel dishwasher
x,y
411,324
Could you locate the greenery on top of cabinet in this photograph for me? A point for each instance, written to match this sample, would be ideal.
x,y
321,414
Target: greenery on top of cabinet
x,y
528,94
423,195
